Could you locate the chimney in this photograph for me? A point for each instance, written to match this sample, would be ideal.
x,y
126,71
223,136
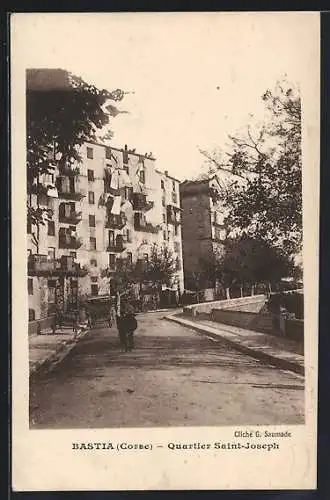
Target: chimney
x,y
125,147
166,173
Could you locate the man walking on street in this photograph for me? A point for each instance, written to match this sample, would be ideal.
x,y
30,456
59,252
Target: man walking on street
x,y
126,323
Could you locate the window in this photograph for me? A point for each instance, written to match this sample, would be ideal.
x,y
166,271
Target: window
x,y
111,236
164,235
112,261
73,255
173,186
51,292
142,176
176,230
176,246
127,193
92,221
128,236
129,257
90,175
51,228
92,242
163,202
30,286
91,199
174,197
93,262
89,153
51,253
162,184
108,153
29,227
164,218
94,290
146,257
32,315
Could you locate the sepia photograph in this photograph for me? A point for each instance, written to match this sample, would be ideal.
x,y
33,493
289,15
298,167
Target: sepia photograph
x,y
163,215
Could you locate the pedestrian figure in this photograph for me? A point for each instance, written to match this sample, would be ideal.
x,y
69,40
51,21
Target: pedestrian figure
x,y
130,325
126,324
112,315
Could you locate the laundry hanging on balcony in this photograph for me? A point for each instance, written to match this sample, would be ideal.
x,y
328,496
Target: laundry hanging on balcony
x,y
52,192
115,210
123,179
114,183
102,200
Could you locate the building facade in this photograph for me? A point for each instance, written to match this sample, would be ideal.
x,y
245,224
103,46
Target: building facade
x,y
113,206
204,230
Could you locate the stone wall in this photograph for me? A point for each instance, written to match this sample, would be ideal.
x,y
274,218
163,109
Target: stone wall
x,y
255,303
42,324
248,320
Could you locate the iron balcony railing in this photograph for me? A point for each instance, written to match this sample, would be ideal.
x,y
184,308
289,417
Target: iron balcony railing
x,y
41,265
71,218
71,243
140,203
115,221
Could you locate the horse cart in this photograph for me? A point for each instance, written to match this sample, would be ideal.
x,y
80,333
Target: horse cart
x,y
100,311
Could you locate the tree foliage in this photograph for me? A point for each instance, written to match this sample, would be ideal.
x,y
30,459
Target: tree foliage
x,y
269,204
61,119
248,260
161,266
267,155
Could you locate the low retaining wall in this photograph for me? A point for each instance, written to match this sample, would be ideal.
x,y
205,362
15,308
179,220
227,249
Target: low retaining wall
x,y
253,303
40,324
244,319
294,329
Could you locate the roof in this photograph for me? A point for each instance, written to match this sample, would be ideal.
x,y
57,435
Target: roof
x,y
168,176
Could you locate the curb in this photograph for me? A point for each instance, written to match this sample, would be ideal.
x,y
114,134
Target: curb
x,y
284,364
58,355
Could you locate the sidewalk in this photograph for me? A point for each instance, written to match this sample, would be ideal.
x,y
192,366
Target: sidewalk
x,y
277,351
48,349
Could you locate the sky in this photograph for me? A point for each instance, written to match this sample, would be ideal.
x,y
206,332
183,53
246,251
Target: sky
x,y
195,77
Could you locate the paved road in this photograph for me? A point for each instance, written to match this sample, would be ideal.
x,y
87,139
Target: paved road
x,y
174,377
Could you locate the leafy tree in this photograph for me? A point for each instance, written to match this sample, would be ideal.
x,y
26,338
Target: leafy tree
x,y
267,155
161,267
63,111
126,276
247,261
269,204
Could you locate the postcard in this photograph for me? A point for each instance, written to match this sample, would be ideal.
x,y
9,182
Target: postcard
x,y
165,187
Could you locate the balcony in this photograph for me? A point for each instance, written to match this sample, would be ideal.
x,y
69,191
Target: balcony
x,y
116,246
140,203
68,170
72,243
70,194
41,265
67,188
115,221
73,218
146,227
173,216
39,189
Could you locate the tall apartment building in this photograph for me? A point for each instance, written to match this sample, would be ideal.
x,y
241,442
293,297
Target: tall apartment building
x,y
112,206
203,228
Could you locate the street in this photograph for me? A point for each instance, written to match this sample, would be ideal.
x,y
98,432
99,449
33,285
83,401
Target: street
x,y
174,377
